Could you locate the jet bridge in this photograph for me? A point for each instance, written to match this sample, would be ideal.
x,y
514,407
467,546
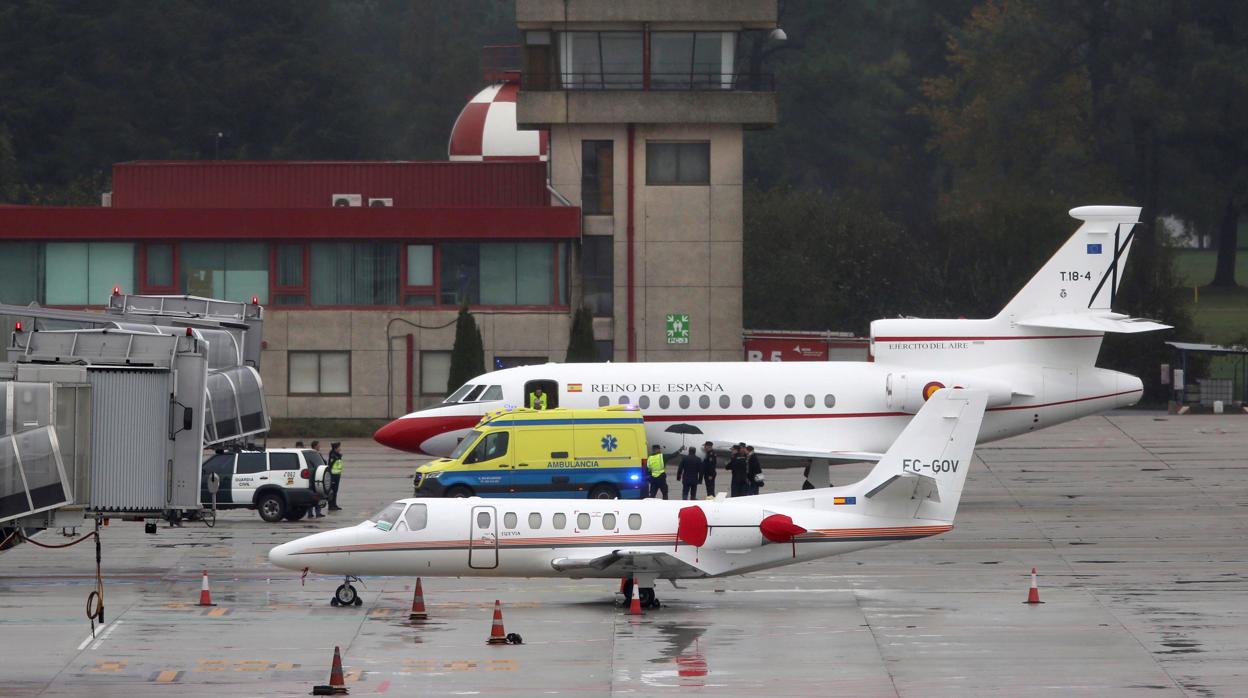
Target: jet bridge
x,y
109,413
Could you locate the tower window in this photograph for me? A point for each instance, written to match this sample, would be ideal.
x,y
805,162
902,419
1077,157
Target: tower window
x,y
678,163
597,177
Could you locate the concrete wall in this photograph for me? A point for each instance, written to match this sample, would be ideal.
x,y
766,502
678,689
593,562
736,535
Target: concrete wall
x,y
374,366
752,109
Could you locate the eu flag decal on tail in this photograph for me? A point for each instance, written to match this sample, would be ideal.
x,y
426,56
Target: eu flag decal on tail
x,y
1094,248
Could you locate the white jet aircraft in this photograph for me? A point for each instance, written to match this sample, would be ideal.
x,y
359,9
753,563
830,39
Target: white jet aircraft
x,y
912,492
1036,360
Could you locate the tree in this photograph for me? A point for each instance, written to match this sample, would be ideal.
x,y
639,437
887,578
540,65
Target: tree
x,y
468,353
581,347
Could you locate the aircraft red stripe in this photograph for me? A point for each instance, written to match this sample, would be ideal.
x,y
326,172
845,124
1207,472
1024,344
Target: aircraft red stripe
x,y
1064,402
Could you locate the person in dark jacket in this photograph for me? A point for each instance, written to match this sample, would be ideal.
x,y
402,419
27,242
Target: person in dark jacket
x,y
739,467
708,467
754,471
689,473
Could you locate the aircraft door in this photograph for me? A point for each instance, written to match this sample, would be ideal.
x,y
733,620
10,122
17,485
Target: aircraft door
x,y
895,391
549,388
483,543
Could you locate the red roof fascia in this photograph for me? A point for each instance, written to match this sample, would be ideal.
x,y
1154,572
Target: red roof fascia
x,y
54,223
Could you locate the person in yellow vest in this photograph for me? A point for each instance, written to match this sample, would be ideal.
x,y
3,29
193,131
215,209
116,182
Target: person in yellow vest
x,y
335,473
656,464
537,399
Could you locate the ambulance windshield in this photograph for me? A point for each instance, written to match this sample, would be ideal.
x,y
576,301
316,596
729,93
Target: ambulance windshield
x,y
469,439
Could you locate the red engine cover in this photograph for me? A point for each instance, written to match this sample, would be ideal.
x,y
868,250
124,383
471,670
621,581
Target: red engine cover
x,y
779,528
691,527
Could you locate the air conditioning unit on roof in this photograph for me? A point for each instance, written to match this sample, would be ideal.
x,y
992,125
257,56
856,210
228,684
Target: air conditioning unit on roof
x,y
341,200
382,203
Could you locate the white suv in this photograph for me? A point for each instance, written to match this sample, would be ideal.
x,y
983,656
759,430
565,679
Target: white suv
x,y
278,482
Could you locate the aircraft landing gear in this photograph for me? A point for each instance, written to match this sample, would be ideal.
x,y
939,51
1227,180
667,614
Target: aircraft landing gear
x,y
648,599
346,595
645,594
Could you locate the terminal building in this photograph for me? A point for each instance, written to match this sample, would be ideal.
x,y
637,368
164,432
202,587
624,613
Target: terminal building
x,y
601,166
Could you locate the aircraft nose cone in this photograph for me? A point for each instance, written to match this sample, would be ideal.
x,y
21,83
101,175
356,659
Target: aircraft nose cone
x,y
401,434
282,556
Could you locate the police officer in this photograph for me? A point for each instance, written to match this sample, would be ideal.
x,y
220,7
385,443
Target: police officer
x,y
657,465
754,470
689,474
739,467
335,474
708,467
537,399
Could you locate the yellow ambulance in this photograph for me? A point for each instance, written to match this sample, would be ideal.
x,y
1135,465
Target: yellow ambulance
x,y
594,453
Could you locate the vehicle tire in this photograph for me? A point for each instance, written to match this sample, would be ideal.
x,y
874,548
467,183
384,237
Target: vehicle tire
x,y
296,513
646,596
604,492
346,595
459,491
271,507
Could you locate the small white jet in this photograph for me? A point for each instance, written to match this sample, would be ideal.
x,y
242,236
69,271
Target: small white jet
x,y
1036,360
912,492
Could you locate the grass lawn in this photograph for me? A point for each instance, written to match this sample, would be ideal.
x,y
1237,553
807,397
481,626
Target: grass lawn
x,y
1221,314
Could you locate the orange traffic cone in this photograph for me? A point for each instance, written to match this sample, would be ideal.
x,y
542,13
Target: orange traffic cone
x,y
337,685
1033,594
497,635
418,604
634,605
205,595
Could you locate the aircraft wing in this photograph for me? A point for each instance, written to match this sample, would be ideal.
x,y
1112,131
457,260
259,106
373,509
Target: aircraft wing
x,y
792,451
627,562
1105,322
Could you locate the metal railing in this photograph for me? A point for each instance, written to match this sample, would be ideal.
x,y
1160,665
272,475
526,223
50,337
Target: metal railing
x,y
653,82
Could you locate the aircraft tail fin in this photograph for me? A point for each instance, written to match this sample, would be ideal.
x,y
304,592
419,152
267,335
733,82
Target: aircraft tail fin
x,y
922,474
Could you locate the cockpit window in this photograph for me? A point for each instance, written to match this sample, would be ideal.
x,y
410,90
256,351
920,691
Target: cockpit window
x,y
469,439
494,392
472,397
385,518
455,396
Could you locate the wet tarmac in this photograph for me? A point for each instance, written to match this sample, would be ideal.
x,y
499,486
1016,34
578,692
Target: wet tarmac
x,y
1137,523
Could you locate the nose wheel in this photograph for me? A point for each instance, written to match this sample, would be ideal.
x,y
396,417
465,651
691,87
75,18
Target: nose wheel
x,y
346,595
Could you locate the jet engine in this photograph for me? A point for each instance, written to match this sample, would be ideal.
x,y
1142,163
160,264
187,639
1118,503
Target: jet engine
x,y
907,391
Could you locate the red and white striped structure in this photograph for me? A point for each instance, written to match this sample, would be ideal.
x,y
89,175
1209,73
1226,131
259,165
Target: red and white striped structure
x,y
486,129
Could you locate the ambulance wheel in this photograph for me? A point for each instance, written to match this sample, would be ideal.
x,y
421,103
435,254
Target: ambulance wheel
x,y
459,492
346,595
646,596
272,507
604,492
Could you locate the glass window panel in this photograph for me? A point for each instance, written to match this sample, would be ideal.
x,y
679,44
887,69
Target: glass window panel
x,y
661,163
289,265
417,517
695,163
109,264
20,271
608,522
582,61
304,371
829,400
559,520
419,299
376,274
789,401
284,461
203,268
725,402
634,521
684,402
534,272
419,265
704,401
246,272
671,59
644,402
65,268
249,463
159,271
769,401
621,60
582,521
535,520
510,519
603,401
810,401
494,392
435,370
336,372
747,401
498,273
708,58
597,177
564,270
483,519
12,489
598,270
39,463
460,265
664,402
331,265
290,299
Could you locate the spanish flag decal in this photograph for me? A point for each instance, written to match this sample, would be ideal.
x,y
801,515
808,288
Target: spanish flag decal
x,y
574,387
845,500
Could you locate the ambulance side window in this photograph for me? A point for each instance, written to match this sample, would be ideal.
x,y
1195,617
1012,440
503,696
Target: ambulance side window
x,y
559,521
634,521
417,517
494,445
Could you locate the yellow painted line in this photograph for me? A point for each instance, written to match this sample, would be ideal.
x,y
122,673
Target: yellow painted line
x,y
211,665
102,665
167,676
283,666
501,665
253,665
217,612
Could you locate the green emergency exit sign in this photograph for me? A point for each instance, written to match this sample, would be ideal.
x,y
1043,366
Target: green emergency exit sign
x,y
677,328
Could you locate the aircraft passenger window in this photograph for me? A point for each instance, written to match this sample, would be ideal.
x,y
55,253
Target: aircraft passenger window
x,y
747,401
810,400
644,402
472,397
829,400
664,402
509,519
608,522
684,402
417,517
623,399
789,401
724,402
494,392
769,401
559,521
535,520
704,402
493,446
604,401
455,396
483,519
582,521
634,521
